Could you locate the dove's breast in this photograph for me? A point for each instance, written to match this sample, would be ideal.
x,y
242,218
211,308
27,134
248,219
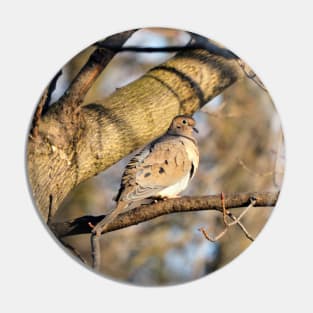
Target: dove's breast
x,y
181,184
175,189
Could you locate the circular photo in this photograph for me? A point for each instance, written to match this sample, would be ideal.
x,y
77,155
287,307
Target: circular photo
x,y
155,156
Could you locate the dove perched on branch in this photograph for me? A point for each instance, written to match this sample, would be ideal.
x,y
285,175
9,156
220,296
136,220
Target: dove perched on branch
x,y
162,169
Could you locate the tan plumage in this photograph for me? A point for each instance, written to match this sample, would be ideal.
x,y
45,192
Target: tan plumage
x,y
161,170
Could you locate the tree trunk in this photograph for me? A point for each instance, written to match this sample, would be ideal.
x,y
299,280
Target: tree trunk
x,y
76,142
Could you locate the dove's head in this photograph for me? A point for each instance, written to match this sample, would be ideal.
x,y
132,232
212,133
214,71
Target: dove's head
x,y
183,125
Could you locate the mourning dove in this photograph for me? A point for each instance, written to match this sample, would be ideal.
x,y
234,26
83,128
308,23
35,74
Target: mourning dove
x,y
162,169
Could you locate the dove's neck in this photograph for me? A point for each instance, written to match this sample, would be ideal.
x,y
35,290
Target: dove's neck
x,y
193,139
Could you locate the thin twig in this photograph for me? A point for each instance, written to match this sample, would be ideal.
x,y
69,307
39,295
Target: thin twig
x,y
74,251
250,74
278,161
43,104
51,88
213,239
227,225
243,213
197,42
229,115
50,209
95,251
35,127
254,173
217,113
243,228
138,49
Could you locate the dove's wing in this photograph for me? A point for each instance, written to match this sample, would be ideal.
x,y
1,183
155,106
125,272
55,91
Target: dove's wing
x,y
160,165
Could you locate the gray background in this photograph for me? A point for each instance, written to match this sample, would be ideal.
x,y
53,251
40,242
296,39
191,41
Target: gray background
x,y
273,37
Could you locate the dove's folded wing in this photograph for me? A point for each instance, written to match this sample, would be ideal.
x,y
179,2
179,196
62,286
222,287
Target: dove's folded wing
x,y
157,167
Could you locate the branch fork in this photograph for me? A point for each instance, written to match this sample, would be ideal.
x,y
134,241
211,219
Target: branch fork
x,y
227,225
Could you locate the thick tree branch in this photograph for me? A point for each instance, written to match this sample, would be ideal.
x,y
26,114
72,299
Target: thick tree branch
x,y
78,142
54,153
83,225
196,43
97,61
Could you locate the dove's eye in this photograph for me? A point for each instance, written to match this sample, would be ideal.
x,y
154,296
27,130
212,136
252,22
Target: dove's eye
x,y
184,122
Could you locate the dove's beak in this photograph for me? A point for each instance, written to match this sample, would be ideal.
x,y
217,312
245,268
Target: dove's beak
x,y
195,129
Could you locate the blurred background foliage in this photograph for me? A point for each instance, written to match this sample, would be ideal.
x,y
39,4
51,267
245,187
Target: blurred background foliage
x,y
241,150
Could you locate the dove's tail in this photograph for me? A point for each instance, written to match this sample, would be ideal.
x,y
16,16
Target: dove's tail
x,y
103,224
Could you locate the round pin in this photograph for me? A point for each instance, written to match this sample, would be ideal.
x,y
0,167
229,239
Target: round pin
x,y
155,156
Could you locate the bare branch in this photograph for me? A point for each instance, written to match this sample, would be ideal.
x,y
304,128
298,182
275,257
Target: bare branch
x,y
251,74
242,214
51,88
252,172
278,173
95,251
197,42
50,209
97,61
84,224
77,137
227,225
243,228
73,250
216,238
43,104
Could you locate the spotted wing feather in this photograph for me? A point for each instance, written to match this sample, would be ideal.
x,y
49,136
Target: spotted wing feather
x,y
158,166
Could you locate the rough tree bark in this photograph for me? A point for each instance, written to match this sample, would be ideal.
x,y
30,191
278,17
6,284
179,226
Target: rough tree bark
x,y
74,142
83,224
